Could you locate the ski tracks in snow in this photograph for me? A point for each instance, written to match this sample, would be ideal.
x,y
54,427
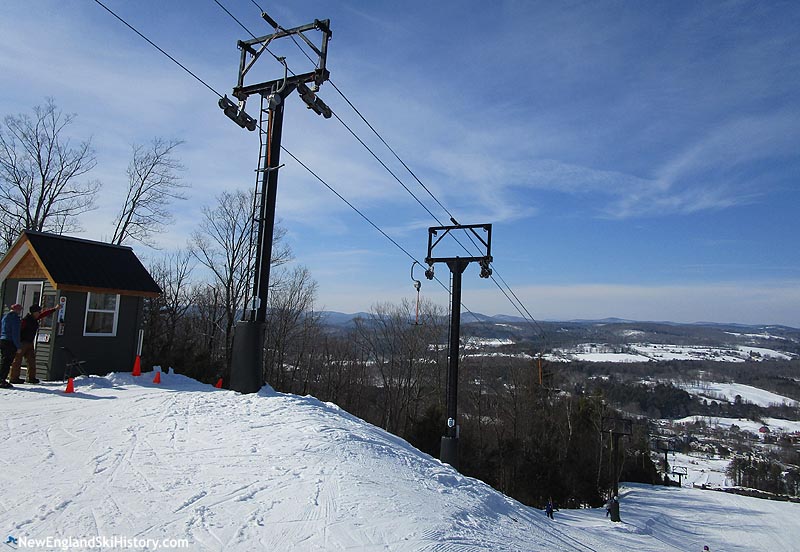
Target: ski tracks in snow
x,y
226,471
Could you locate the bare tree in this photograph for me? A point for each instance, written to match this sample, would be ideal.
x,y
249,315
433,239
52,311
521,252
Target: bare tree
x,y
405,364
164,314
9,230
223,246
291,324
153,182
208,333
40,170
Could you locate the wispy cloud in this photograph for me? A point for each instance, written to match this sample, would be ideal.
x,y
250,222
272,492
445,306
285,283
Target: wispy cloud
x,y
538,117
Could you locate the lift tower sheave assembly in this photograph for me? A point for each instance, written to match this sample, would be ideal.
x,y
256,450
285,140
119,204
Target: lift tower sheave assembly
x,y
248,343
457,265
616,428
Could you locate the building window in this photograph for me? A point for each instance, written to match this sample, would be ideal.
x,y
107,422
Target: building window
x,y
102,311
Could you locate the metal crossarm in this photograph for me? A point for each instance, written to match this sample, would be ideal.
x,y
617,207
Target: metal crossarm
x,y
433,231
448,451
318,76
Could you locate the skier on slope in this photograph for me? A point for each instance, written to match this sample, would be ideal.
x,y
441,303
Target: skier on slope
x,y
549,508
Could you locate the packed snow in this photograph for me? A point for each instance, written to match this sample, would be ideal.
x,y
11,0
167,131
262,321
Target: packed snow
x,y
143,466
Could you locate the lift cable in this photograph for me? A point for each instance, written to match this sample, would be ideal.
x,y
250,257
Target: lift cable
x,y
154,45
209,87
341,121
366,218
527,316
518,305
235,19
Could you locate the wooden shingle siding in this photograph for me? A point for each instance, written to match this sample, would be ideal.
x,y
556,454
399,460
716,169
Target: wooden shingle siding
x,y
28,269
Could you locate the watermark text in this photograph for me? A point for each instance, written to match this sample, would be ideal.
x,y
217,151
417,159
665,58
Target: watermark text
x,y
98,542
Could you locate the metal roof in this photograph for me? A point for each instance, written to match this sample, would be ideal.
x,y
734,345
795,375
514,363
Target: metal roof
x,y
74,264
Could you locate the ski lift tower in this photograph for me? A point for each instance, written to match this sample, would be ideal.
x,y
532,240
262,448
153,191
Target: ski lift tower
x,y
665,447
449,446
616,427
248,343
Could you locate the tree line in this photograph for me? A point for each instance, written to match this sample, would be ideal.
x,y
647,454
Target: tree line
x,y
528,441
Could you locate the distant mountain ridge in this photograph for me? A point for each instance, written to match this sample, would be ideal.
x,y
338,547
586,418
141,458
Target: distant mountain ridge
x,y
524,335
337,318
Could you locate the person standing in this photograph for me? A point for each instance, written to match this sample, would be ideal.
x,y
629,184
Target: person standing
x,y
28,329
549,509
9,342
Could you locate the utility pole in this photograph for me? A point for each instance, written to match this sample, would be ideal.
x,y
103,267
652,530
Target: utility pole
x,y
449,446
248,343
616,427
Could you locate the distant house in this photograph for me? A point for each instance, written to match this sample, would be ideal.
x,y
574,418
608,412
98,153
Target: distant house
x,y
101,288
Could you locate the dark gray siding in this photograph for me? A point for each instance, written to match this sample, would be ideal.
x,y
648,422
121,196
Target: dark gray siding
x,y
102,354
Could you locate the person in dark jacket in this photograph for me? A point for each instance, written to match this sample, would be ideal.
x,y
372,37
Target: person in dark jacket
x,y
549,509
9,342
28,329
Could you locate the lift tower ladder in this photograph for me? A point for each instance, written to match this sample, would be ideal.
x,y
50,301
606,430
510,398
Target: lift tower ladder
x,y
247,361
255,211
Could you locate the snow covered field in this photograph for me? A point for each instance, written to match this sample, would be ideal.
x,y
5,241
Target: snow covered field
x,y
479,342
775,425
700,469
657,352
182,463
728,391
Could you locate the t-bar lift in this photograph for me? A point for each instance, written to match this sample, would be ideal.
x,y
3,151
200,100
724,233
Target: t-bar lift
x,y
616,427
248,343
449,446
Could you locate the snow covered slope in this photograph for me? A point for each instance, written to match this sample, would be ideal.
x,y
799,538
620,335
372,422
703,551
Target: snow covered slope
x,y
148,464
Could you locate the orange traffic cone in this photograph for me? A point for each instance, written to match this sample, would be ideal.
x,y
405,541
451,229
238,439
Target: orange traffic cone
x,y
157,379
70,386
137,367
218,385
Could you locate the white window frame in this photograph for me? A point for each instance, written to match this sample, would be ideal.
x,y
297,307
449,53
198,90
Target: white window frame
x,y
27,302
88,310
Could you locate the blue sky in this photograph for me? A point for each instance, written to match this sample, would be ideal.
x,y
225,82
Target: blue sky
x,y
636,159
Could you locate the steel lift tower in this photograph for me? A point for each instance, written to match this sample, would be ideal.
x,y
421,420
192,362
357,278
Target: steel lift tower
x,y
449,445
616,428
248,342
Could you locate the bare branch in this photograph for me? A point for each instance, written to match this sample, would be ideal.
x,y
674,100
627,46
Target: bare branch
x,y
223,245
153,182
40,172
